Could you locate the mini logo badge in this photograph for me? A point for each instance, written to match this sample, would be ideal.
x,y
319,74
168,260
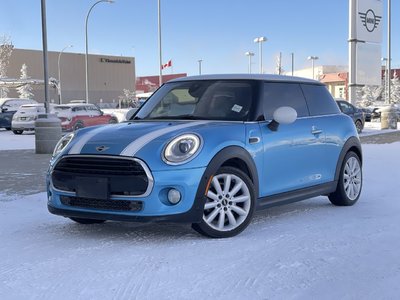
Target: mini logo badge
x,y
370,20
102,148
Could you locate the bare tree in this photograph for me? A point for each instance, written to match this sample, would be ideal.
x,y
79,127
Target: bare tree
x,y
6,48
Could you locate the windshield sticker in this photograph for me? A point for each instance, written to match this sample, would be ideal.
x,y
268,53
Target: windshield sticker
x,y
237,108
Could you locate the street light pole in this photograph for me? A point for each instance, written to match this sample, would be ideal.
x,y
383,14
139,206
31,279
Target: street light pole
x,y
200,61
249,55
86,46
59,73
159,43
260,40
312,58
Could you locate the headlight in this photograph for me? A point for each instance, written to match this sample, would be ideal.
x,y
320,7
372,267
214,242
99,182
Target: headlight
x,y
62,143
182,149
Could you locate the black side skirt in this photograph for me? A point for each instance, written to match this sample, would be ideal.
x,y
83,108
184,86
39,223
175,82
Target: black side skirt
x,y
297,195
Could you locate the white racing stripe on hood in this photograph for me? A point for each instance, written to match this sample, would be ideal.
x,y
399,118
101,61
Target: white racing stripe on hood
x,y
138,144
77,148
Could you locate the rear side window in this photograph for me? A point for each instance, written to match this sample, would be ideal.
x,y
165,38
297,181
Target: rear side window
x,y
319,100
283,94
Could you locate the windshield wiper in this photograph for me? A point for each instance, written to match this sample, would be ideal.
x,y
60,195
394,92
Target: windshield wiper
x,y
179,117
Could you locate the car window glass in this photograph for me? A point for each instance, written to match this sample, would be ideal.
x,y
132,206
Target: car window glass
x,y
283,94
219,100
319,100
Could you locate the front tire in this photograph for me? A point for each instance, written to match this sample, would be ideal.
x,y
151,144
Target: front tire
x,y
87,221
113,121
78,126
350,181
17,131
229,206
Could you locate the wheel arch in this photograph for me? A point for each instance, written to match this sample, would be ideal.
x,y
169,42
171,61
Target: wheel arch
x,y
352,144
233,156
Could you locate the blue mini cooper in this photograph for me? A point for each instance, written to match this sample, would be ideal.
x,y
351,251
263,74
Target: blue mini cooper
x,y
210,150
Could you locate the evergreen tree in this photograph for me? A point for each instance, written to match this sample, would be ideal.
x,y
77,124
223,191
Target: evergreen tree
x,y
395,89
5,52
25,91
368,97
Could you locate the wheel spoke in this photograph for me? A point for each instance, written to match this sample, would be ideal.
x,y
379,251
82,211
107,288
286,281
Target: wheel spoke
x,y
212,196
240,199
217,186
239,210
212,216
210,205
236,188
231,218
227,184
221,220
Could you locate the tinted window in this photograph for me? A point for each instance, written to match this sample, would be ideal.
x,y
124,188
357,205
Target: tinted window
x,y
283,94
208,99
346,108
319,100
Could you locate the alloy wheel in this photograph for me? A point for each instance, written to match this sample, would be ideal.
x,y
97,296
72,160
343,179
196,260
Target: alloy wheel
x,y
352,178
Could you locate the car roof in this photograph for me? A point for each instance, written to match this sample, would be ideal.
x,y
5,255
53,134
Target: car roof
x,y
261,77
74,104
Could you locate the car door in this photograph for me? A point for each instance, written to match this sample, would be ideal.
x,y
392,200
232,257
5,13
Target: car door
x,y
293,154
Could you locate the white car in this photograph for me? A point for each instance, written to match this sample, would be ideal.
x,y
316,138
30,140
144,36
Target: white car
x,y
25,117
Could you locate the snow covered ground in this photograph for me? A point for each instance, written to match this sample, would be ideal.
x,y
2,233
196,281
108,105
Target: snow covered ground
x,y
306,250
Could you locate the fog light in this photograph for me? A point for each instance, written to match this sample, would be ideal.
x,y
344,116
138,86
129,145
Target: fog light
x,y
174,196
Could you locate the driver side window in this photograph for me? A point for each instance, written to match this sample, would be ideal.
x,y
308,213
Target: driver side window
x,y
283,94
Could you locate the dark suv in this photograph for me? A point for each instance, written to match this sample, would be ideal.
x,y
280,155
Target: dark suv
x,y
355,113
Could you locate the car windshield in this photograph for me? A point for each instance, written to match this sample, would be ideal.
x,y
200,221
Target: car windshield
x,y
200,100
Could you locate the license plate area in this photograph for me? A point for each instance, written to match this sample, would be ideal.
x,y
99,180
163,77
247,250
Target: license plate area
x,y
93,188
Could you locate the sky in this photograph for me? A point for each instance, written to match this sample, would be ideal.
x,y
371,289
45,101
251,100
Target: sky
x,y
217,31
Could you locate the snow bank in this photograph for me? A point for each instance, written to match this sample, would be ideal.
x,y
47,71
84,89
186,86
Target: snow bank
x,y
306,250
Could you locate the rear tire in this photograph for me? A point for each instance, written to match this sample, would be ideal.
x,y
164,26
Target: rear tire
x,y
229,206
359,126
87,221
17,131
349,186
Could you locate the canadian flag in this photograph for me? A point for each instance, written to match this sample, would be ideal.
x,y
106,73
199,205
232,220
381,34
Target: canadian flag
x,y
167,65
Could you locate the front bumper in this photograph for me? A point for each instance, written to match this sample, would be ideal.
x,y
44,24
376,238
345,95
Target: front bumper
x,y
155,206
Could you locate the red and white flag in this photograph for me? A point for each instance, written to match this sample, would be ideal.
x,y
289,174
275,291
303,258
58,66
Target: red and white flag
x,y
167,65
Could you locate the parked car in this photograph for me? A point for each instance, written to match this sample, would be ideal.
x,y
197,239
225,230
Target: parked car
x,y
8,107
25,117
79,115
210,150
367,114
355,113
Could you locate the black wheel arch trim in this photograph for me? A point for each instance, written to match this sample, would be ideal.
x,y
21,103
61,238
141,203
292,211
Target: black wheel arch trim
x,y
351,143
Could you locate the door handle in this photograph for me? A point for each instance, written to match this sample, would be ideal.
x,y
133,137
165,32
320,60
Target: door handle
x,y
315,130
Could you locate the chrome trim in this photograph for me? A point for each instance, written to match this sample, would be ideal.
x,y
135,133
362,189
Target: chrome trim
x,y
142,163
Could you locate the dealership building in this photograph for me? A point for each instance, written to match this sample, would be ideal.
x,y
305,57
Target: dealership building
x,y
108,75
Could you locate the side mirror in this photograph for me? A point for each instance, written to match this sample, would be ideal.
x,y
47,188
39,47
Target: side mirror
x,y
130,113
4,109
282,115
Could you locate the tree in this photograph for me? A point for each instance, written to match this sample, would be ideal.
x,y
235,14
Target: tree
x,y
25,91
368,96
6,48
395,89
128,98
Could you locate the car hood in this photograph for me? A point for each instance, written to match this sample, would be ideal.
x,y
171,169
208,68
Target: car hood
x,y
146,139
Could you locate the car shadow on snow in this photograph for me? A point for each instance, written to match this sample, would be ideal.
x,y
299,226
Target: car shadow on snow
x,y
159,232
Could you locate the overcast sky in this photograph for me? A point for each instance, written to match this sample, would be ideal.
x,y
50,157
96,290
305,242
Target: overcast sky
x,y
217,31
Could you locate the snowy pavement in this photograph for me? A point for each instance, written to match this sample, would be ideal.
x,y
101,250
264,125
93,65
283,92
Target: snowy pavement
x,y
306,250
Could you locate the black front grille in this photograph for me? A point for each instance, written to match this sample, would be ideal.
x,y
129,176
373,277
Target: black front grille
x,y
100,166
119,205
124,177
